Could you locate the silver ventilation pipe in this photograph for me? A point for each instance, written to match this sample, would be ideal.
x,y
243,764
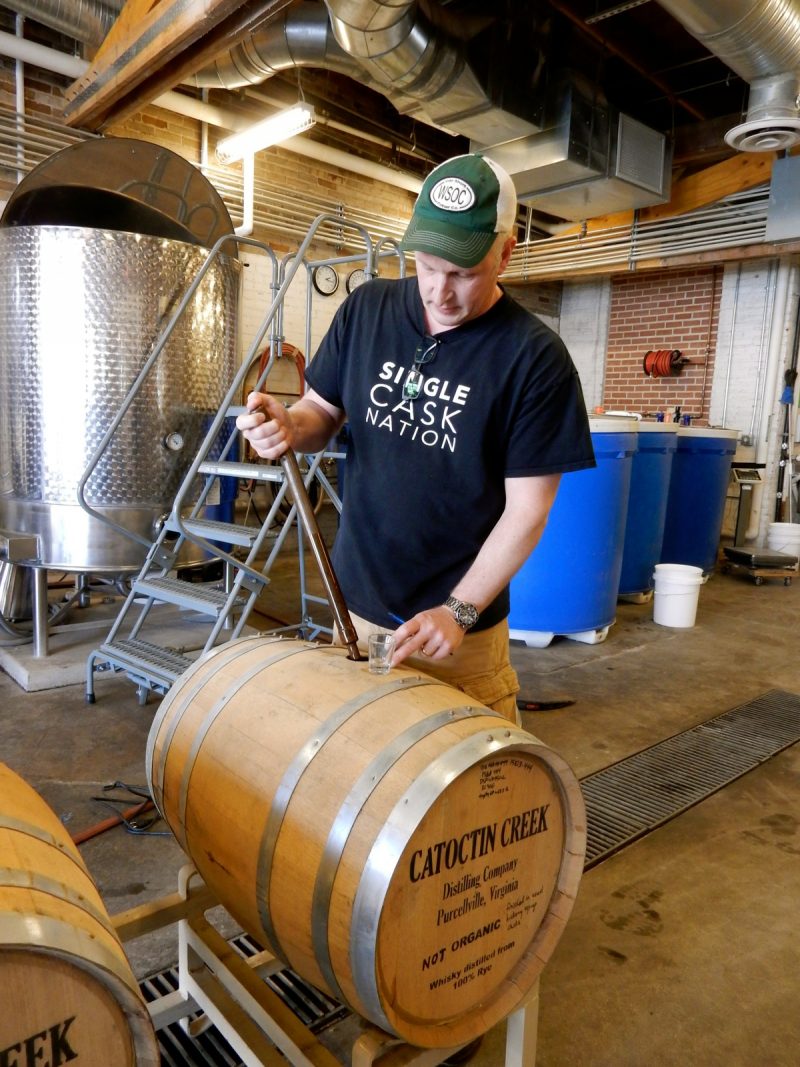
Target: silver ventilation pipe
x,y
87,21
298,37
397,45
394,50
760,41
403,51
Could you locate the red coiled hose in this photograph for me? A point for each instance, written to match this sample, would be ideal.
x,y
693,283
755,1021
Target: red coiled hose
x,y
663,362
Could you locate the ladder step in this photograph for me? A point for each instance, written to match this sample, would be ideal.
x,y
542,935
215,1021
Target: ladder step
x,y
157,664
207,599
222,532
260,472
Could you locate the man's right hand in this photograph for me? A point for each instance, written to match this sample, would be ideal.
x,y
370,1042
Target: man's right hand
x,y
267,425
272,429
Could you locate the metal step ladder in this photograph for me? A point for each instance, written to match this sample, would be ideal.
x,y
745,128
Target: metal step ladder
x,y
226,606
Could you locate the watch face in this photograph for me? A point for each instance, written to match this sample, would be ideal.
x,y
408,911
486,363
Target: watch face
x,y
355,278
466,615
325,279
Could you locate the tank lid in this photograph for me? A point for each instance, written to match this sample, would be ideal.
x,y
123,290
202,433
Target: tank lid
x,y
651,426
707,431
145,187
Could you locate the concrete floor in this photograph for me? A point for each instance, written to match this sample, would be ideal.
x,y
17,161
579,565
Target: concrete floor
x,y
682,948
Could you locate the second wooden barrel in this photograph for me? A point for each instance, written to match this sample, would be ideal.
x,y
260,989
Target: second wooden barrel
x,y
398,844
66,989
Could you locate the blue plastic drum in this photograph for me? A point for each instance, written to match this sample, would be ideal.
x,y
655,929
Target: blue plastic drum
x,y
568,586
698,486
221,505
647,506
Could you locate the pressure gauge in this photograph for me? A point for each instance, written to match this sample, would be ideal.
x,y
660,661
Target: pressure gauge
x,y
174,441
325,279
355,278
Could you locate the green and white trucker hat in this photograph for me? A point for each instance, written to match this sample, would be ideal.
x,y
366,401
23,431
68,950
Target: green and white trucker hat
x,y
462,206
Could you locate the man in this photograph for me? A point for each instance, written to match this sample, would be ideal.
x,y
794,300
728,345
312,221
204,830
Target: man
x,y
463,411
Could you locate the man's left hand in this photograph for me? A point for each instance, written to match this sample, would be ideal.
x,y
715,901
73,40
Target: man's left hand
x,y
433,633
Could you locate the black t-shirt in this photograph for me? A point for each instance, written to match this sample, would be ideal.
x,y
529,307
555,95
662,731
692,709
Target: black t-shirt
x,y
424,481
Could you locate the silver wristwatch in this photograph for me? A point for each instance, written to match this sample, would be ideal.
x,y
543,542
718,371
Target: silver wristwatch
x,y
466,615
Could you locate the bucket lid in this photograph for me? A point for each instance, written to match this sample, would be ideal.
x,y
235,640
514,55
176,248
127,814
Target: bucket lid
x,y
613,424
684,570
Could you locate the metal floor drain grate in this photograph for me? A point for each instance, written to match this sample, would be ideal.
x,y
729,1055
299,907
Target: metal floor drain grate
x,y
633,797
623,803
315,1009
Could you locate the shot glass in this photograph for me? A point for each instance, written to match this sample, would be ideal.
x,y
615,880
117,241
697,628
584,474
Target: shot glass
x,y
381,647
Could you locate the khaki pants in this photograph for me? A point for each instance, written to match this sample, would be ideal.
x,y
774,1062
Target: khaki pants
x,y
480,666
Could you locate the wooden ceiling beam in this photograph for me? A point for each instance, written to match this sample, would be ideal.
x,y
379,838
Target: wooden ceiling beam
x,y
125,26
158,44
745,170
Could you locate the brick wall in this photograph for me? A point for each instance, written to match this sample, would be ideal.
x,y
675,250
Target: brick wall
x,y
663,310
542,298
313,186
43,100
165,128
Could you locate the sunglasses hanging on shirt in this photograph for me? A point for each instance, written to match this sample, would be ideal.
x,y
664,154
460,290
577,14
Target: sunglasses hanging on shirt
x,y
425,353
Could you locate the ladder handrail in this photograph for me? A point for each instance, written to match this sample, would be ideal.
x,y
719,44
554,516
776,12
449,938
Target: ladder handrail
x,y
396,251
246,578
239,378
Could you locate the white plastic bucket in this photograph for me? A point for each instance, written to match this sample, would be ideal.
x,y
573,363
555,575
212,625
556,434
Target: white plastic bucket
x,y
677,590
784,537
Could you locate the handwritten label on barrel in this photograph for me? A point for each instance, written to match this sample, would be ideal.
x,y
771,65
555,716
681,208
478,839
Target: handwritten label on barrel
x,y
478,878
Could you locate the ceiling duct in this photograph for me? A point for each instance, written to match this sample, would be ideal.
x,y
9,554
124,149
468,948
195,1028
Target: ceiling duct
x,y
402,50
760,41
586,160
395,50
589,160
87,21
298,36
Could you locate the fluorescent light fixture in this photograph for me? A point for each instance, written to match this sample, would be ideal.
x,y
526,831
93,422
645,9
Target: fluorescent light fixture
x,y
268,132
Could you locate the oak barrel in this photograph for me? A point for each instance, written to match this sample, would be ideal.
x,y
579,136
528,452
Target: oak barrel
x,y
396,843
66,989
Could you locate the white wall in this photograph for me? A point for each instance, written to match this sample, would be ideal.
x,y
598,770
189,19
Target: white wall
x,y
756,330
743,338
584,329
256,299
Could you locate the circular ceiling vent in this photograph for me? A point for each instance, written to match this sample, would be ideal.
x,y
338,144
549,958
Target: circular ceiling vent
x,y
763,135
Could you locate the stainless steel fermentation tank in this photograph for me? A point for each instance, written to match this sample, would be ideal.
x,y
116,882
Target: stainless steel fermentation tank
x,y
81,308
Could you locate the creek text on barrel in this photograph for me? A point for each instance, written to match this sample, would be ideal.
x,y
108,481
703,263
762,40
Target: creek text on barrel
x,y
456,851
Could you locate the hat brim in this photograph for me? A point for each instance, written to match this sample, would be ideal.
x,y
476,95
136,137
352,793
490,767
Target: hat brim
x,y
465,248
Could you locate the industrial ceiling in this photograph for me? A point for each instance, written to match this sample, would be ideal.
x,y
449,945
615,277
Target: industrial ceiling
x,y
407,85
